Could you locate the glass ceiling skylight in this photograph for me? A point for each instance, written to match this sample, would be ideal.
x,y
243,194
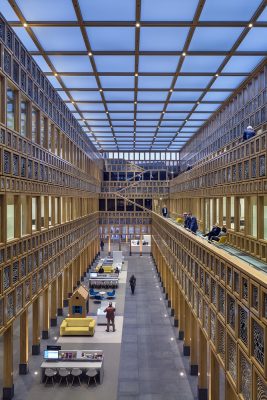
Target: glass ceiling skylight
x,y
148,75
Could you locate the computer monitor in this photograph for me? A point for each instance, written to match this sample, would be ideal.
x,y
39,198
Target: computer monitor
x,y
50,355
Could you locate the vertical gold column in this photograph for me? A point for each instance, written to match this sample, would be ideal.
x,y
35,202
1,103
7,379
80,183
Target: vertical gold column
x,y
60,295
46,314
70,280
176,303
187,330
53,319
8,387
202,375
194,344
66,287
78,270
214,377
36,327
229,391
181,316
24,343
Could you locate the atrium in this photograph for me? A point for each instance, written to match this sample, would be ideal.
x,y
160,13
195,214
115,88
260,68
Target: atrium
x,y
133,139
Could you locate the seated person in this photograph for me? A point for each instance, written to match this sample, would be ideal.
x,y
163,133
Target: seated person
x,y
101,270
117,271
223,232
214,232
193,226
248,133
187,221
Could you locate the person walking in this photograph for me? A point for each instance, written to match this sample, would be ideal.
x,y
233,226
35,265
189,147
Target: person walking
x,y
132,282
102,244
110,315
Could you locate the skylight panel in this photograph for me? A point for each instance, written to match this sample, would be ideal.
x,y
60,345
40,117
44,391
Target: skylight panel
x,y
207,107
242,64
122,123
158,63
123,129
152,96
114,63
175,116
84,95
153,82
228,82
71,63
193,123
89,116
197,82
111,38
185,96
117,82
216,96
228,10
64,96
263,16
8,11
60,38
99,123
171,123
255,40
48,10
202,63
91,106
168,10
106,10
196,116
179,107
121,116
162,38
42,63
120,107
80,82
150,107
53,80
214,38
148,115
153,123
25,38
119,96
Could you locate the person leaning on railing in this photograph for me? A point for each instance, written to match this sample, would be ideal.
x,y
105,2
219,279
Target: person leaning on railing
x,y
248,133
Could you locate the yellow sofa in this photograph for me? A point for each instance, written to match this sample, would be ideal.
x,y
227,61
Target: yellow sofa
x,y
77,326
107,269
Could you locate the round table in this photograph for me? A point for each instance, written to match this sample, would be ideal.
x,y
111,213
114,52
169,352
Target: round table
x,y
102,293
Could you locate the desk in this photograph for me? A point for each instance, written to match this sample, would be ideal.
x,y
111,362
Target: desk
x,y
83,365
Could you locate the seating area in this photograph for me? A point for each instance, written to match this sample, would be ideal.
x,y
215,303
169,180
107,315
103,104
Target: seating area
x,y
70,376
77,326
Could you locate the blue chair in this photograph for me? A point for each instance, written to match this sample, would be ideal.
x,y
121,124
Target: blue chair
x,y
98,298
111,295
93,293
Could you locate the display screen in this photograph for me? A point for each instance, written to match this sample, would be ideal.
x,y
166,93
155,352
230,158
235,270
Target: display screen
x,y
51,355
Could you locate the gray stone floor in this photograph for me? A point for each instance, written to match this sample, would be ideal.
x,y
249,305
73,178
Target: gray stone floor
x,y
147,365
151,364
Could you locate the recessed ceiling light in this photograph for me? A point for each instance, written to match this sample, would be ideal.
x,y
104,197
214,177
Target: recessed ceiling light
x,y
25,25
136,74
100,90
137,25
250,25
217,75
55,74
135,102
73,102
184,54
106,112
198,102
171,90
90,54
163,112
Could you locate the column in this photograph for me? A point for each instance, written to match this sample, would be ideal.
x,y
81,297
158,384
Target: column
x,y
187,333
60,295
214,377
46,314
193,349
66,287
202,376
53,319
70,280
176,304
8,386
181,316
24,343
36,327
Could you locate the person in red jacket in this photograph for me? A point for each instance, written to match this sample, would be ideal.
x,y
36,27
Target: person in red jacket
x,y
110,315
